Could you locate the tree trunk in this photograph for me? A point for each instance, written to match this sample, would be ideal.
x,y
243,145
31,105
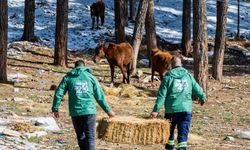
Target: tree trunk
x,y
119,22
150,29
60,57
125,12
132,9
238,21
3,40
219,48
29,21
138,29
200,43
186,28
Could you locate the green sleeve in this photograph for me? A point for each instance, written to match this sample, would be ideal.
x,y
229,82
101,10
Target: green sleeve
x,y
99,95
198,91
161,95
60,92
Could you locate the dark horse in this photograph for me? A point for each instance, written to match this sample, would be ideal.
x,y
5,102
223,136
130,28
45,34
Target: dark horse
x,y
97,10
117,55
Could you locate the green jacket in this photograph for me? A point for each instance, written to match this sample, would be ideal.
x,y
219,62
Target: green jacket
x,y
176,90
83,89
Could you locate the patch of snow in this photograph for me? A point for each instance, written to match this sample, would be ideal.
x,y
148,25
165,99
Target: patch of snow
x,y
168,17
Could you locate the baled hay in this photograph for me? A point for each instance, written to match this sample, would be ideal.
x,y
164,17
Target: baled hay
x,y
132,130
128,91
25,127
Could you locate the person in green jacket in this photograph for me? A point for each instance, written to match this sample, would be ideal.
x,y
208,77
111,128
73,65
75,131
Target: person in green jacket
x,y
83,89
175,93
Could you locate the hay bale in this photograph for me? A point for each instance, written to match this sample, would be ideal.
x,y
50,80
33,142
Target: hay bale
x,y
131,130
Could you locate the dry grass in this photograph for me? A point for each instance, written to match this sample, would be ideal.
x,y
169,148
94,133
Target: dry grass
x,y
133,130
25,127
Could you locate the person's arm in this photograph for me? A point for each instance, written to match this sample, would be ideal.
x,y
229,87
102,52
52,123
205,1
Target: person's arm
x,y
161,96
60,92
99,96
198,91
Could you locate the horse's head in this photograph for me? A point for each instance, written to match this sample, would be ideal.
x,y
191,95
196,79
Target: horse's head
x,y
100,52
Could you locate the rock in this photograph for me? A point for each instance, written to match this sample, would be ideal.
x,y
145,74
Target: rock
x,y
148,79
229,138
16,90
30,146
144,62
11,133
35,134
40,71
53,87
245,135
20,99
16,77
139,73
47,123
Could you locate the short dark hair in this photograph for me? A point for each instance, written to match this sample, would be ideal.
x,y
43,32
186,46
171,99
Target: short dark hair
x,y
79,63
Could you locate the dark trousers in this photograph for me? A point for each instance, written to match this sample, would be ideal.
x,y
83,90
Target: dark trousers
x,y
182,120
85,131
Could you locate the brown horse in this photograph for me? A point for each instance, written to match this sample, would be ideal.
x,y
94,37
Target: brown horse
x,y
161,62
117,55
97,10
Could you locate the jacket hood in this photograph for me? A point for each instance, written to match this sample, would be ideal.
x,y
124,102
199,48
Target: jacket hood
x,y
178,72
78,70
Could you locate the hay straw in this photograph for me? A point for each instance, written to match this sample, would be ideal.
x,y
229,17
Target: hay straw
x,y
133,130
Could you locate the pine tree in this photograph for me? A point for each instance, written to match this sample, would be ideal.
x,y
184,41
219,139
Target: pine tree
x,y
218,58
186,28
60,56
138,29
200,43
29,21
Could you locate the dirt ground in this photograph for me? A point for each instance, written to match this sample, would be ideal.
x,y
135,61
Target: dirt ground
x,y
225,113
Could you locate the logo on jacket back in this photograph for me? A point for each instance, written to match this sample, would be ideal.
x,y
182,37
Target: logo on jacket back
x,y
181,84
81,87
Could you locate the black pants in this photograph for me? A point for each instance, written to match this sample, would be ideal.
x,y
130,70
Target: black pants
x,y
85,131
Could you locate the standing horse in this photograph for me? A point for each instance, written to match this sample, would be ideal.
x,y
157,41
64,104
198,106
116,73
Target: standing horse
x,y
97,10
117,55
161,62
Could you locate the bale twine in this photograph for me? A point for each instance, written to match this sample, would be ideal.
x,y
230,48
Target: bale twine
x,y
131,130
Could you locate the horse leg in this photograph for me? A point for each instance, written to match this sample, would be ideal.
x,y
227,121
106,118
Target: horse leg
x,y
128,72
97,21
93,22
123,73
102,20
152,74
112,68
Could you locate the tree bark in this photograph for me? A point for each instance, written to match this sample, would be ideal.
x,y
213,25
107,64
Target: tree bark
x,y
186,28
119,22
3,40
29,21
138,29
218,58
60,57
238,21
132,9
200,43
125,12
150,29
